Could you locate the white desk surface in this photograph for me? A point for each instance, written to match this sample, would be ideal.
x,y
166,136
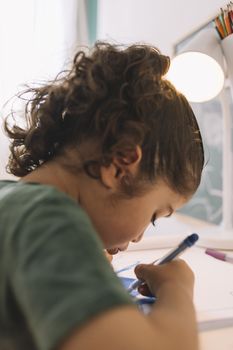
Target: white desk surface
x,y
178,224
218,339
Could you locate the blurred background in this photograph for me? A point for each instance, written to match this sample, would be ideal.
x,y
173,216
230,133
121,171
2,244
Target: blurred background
x,y
38,39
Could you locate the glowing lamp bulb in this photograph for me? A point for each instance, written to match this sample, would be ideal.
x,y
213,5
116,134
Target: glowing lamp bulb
x,y
196,75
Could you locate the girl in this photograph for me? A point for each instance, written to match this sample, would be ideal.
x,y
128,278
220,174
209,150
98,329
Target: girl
x,y
107,149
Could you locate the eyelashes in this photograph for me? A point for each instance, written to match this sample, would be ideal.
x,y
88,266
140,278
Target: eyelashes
x,y
153,220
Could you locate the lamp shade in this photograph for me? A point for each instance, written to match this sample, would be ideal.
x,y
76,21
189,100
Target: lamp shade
x,y
199,71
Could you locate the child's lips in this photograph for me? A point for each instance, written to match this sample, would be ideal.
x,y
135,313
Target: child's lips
x,y
113,251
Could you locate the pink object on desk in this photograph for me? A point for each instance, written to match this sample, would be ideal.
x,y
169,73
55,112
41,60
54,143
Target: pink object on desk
x,y
219,255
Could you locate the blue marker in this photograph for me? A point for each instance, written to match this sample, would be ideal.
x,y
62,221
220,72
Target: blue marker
x,y
172,254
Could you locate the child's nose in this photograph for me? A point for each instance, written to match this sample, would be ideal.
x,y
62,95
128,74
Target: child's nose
x,y
135,240
124,247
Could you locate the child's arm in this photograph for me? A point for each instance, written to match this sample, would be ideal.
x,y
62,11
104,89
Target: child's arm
x,y
170,326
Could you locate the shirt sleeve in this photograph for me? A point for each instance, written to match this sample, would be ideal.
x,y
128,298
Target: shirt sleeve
x,y
59,274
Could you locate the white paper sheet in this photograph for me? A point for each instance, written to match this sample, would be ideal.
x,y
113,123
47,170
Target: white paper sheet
x,y
213,293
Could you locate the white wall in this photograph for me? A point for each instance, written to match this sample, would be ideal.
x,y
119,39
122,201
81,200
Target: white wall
x,y
37,39
4,153
161,23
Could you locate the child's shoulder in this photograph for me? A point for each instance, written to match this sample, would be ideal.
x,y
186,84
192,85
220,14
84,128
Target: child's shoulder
x,y
23,202
32,211
22,192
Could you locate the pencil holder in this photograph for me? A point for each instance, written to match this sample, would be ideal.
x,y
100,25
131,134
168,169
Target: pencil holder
x,y
227,47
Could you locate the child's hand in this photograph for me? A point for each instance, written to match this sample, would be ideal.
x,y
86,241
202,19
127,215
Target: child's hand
x,y
175,274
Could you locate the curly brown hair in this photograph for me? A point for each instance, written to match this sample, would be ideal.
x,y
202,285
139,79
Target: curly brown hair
x,y
119,98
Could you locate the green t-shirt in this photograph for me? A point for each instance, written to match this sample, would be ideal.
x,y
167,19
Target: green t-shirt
x,y
53,274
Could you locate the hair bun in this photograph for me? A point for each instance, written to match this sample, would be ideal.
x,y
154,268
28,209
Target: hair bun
x,y
149,58
164,64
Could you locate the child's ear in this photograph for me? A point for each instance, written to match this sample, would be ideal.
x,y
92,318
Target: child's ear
x,y
126,162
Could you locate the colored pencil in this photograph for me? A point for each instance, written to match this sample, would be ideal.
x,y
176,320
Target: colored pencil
x,y
227,22
224,21
220,27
